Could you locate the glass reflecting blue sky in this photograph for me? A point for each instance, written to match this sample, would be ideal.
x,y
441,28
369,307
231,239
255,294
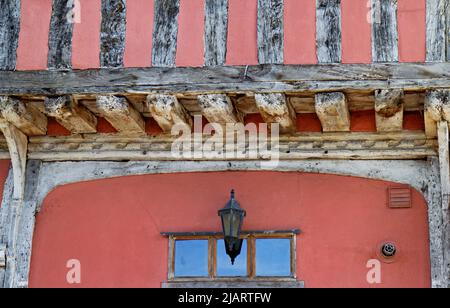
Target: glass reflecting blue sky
x,y
273,257
191,258
224,266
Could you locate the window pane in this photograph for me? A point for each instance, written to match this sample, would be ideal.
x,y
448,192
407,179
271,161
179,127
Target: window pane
x,y
191,258
224,266
273,257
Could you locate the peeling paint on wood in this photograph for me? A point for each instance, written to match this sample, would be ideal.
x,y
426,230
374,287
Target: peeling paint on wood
x,y
384,31
165,32
60,36
270,31
9,33
216,32
329,33
113,31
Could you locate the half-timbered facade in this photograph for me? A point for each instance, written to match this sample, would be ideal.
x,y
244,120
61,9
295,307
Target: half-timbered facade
x,y
92,91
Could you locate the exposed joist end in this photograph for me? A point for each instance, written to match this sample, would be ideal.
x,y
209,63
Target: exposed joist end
x,y
26,118
218,108
389,110
332,110
274,108
76,118
436,109
168,112
121,115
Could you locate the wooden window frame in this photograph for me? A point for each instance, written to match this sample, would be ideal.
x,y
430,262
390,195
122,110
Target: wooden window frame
x,y
251,237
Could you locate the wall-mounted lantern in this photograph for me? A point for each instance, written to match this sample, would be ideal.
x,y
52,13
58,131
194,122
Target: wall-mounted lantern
x,y
232,218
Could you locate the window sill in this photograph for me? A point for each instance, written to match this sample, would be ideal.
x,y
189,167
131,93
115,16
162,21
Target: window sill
x,y
222,284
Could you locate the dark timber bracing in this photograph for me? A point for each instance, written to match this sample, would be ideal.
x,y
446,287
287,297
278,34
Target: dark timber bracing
x,y
113,32
165,32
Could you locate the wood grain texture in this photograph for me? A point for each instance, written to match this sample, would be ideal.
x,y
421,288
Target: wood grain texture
x,y
9,33
75,118
216,32
389,109
274,108
436,30
270,31
165,32
328,29
384,31
113,30
28,119
332,110
60,36
237,79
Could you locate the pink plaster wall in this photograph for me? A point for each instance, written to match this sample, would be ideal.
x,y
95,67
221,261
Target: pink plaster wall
x,y
356,32
139,36
242,46
32,52
412,30
86,36
113,226
191,28
300,32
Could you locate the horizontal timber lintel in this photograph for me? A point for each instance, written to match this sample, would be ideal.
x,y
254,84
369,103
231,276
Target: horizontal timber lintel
x,y
260,78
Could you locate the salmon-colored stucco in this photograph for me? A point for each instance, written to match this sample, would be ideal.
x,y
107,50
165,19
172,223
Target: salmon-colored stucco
x,y
413,120
32,52
113,226
356,31
412,30
242,47
300,32
4,169
139,35
191,41
86,36
363,121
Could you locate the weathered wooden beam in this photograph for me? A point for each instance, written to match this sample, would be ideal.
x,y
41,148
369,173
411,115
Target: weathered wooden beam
x,y
76,118
26,118
384,31
165,32
436,109
168,112
444,164
60,36
18,148
216,32
335,145
270,31
436,30
389,110
229,79
122,116
113,28
9,33
274,108
332,110
328,31
2,255
218,108
448,32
